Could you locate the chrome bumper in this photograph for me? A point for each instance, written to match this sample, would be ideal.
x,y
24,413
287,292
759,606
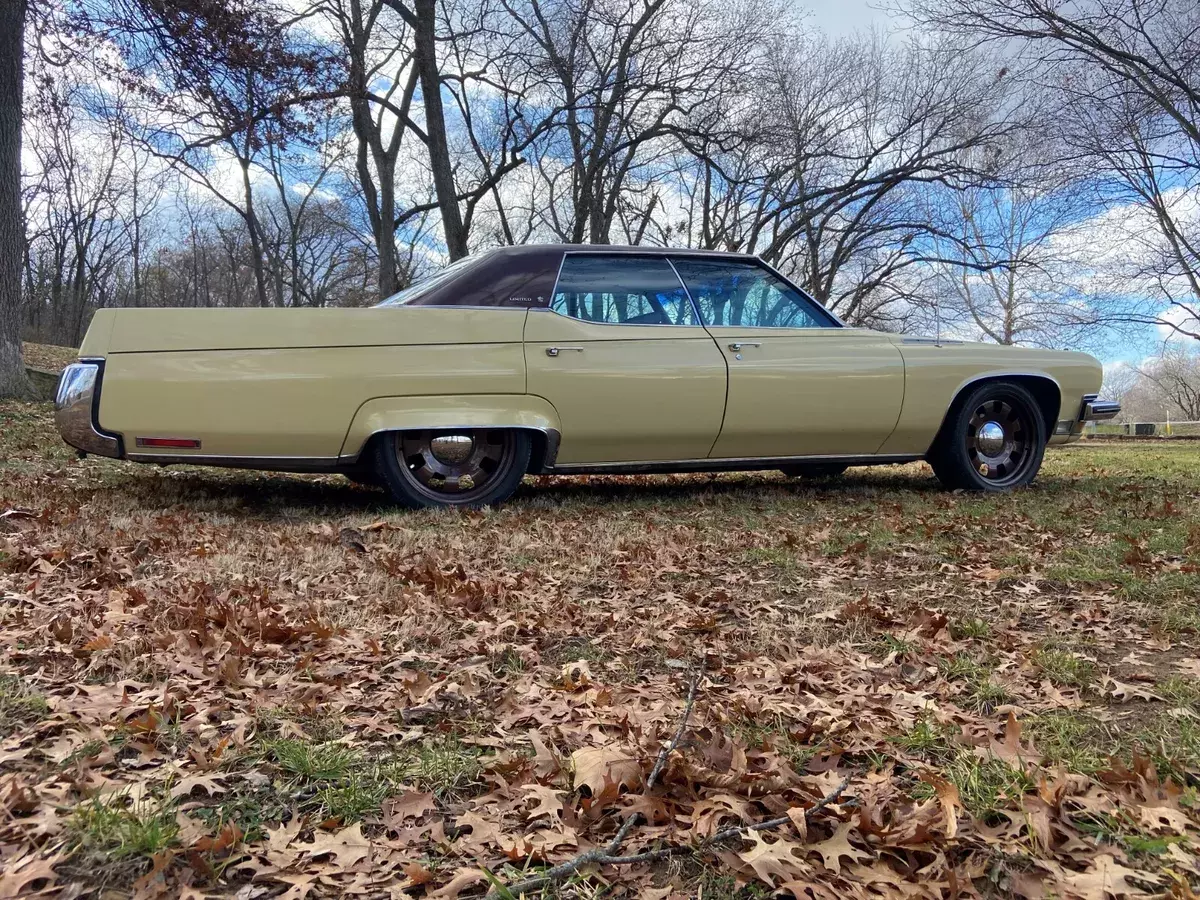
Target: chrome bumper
x,y
1096,410
77,407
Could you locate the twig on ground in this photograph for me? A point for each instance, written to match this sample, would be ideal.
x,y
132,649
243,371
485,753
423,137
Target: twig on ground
x,y
607,856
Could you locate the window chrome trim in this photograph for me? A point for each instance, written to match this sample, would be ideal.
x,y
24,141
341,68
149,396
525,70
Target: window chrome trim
x,y
77,409
688,293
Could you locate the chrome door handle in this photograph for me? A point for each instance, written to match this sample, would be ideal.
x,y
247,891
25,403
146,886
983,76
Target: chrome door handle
x,y
737,348
554,351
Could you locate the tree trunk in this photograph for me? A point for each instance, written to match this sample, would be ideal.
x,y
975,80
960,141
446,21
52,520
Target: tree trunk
x,y
13,382
425,50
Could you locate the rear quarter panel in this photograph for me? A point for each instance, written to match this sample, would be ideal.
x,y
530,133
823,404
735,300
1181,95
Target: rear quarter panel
x,y
232,381
934,375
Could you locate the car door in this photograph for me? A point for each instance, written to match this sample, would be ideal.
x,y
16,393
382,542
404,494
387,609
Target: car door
x,y
623,358
800,384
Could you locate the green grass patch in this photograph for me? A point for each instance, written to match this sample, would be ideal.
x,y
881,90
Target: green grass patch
x,y
1064,668
1072,739
20,705
118,828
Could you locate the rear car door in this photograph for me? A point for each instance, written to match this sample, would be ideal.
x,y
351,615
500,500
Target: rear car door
x,y
623,358
800,384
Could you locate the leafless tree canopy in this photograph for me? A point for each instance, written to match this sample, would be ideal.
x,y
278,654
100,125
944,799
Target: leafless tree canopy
x,y
1018,171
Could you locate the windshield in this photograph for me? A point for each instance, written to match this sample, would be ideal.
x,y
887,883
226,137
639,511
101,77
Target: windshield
x,y
423,286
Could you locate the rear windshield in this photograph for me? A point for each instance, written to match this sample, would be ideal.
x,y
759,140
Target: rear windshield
x,y
418,289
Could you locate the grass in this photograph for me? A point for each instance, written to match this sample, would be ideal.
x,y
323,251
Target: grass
x,y
874,626
1064,668
119,828
20,705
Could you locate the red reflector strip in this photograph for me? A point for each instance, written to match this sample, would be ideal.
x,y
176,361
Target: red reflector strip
x,y
173,443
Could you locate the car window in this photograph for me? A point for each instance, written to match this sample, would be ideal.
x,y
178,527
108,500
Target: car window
x,y
621,290
743,294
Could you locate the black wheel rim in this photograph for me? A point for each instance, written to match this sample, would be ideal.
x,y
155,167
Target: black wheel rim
x,y
456,467
1000,441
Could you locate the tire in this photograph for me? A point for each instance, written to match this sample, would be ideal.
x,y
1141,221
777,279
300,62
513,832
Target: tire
x,y
464,468
814,470
993,441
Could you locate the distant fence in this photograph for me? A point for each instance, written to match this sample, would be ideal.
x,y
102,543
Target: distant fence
x,y
1142,430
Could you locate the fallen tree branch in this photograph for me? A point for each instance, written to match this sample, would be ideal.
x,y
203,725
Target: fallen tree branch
x,y
608,856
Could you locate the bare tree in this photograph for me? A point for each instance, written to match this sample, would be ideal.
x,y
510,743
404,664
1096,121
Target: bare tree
x,y
1175,376
1010,262
13,382
1128,76
843,143
632,77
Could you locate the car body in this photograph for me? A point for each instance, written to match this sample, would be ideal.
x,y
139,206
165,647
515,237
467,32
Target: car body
x,y
587,358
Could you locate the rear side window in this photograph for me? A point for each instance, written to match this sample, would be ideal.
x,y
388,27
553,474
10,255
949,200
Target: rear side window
x,y
621,290
744,295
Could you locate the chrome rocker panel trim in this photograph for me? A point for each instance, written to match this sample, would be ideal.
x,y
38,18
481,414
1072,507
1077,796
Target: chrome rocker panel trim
x,y
77,409
745,464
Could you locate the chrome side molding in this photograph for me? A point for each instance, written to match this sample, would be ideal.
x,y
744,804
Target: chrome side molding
x,y
77,409
749,464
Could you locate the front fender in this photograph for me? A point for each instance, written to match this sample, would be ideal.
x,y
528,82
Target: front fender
x,y
454,411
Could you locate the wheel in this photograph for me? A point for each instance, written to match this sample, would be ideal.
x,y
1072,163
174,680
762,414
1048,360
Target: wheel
x,y
814,470
467,467
993,441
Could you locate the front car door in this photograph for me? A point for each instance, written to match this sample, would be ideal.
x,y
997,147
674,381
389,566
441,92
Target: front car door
x,y
624,360
800,384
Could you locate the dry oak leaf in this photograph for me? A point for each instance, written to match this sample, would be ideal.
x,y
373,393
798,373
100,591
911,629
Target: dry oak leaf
x,y
548,802
947,795
576,675
209,784
348,846
774,860
409,805
604,771
31,873
483,831
1106,879
838,846
459,883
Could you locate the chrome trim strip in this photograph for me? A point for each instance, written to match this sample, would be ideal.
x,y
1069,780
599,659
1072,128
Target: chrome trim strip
x,y
687,292
77,409
936,342
742,464
266,463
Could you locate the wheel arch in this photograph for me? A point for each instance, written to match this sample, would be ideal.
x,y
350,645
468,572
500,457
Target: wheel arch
x,y
1044,388
384,415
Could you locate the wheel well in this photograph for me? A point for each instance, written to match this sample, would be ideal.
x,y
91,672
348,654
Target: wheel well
x,y
539,449
1045,391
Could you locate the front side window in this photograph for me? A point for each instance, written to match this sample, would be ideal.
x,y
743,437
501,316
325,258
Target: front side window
x,y
621,290
744,295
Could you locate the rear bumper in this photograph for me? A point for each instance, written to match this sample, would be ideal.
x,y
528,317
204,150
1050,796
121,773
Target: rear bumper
x,y
77,409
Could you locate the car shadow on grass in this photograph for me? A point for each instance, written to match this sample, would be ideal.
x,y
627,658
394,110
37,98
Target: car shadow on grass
x,y
325,496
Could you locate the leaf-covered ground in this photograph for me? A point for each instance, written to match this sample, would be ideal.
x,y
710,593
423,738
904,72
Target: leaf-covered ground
x,y
235,683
